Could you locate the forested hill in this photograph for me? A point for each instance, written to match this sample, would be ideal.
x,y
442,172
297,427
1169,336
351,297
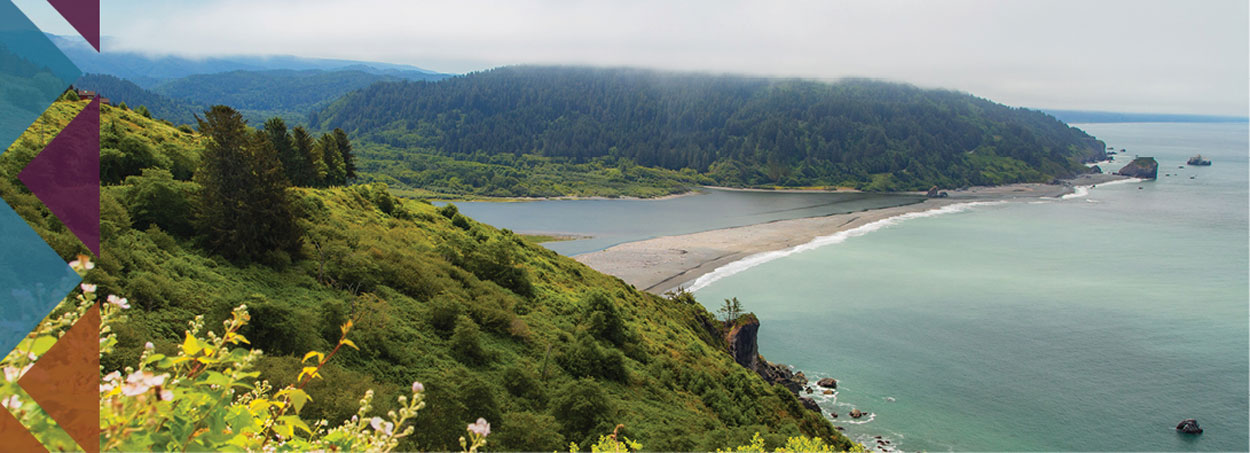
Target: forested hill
x,y
736,130
546,349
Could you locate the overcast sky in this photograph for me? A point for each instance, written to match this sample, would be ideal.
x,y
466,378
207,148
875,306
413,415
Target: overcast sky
x,y
1132,56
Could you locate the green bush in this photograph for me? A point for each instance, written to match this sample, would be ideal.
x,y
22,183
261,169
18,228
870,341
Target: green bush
x,y
466,342
583,409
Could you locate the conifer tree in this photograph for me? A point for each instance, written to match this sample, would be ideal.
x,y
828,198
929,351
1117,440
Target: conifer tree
x,y
306,171
336,172
243,210
280,138
345,150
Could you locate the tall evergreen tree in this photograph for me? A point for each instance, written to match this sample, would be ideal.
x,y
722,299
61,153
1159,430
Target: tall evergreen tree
x,y
280,138
345,150
310,170
243,210
336,172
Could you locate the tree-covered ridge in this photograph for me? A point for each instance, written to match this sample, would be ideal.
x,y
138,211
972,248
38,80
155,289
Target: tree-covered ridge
x,y
121,90
287,93
546,349
736,130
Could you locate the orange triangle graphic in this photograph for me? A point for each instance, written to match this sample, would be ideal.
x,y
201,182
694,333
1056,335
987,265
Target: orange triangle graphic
x,y
15,437
65,382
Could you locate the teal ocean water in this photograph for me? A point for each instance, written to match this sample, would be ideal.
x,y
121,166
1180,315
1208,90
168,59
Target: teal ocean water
x,y
1095,322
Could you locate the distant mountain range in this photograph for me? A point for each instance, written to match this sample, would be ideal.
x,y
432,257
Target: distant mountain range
x,y
148,71
174,87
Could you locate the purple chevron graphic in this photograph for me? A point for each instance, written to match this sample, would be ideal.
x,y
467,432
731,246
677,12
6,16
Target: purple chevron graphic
x,y
84,16
66,176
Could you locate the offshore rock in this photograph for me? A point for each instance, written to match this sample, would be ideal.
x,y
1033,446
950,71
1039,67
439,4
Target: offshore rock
x,y
1189,426
829,383
1141,167
856,413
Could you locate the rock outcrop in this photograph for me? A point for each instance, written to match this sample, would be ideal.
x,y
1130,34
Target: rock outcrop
x,y
1198,160
856,413
1141,167
742,341
1189,426
829,383
810,404
741,338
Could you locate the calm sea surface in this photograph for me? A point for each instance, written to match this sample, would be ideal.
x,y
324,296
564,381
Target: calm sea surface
x,y
1095,322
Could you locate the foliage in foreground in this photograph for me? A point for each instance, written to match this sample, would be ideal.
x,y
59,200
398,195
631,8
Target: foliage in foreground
x,y
545,348
208,397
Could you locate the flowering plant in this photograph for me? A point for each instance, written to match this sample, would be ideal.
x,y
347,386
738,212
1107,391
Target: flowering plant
x,y
207,397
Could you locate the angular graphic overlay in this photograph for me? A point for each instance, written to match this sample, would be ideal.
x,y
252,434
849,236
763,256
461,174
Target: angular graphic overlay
x,y
66,176
33,72
33,279
84,16
15,437
65,382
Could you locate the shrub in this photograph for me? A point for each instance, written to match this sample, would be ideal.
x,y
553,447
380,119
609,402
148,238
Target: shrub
x,y
582,408
466,342
604,319
527,431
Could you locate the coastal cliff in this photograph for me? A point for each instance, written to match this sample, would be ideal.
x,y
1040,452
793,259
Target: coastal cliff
x,y
741,337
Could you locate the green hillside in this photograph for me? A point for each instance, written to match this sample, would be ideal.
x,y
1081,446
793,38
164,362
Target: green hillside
x,y
121,90
547,349
736,131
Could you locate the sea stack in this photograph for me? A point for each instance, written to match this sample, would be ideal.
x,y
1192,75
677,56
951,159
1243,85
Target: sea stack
x,y
1198,160
1189,426
1141,167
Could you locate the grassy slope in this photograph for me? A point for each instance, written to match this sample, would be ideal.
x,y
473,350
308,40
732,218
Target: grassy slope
x,y
397,266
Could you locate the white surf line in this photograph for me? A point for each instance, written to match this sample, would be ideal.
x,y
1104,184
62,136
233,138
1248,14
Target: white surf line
x,y
835,238
1082,191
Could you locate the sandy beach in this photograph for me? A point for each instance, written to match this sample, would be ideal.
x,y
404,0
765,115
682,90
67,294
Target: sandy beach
x,y
665,263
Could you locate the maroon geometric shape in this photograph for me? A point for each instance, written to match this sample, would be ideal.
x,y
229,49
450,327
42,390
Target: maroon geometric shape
x,y
66,176
65,382
84,16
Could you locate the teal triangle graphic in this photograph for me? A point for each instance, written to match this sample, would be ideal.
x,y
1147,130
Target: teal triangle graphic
x,y
33,279
33,73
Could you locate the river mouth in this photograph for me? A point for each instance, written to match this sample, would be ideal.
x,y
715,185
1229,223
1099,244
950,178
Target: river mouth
x,y
605,223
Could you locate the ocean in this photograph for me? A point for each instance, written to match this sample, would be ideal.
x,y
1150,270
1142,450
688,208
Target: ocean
x,y
1096,322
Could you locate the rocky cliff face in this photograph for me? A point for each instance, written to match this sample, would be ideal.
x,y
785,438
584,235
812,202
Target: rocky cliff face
x,y
742,337
742,341
1141,167
1095,151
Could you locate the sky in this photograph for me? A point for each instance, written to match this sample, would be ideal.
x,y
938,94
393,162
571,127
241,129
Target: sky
x,y
1147,56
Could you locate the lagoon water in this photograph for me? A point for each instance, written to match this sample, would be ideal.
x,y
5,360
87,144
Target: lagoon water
x,y
1096,322
611,222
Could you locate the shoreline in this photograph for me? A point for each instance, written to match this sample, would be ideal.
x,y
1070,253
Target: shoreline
x,y
666,263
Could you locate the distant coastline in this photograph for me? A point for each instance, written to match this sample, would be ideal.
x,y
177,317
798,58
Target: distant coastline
x,y
666,263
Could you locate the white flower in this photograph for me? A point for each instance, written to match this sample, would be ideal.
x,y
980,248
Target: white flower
x,y
120,302
149,346
140,382
167,395
480,427
379,425
82,263
11,402
11,373
417,387
87,287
